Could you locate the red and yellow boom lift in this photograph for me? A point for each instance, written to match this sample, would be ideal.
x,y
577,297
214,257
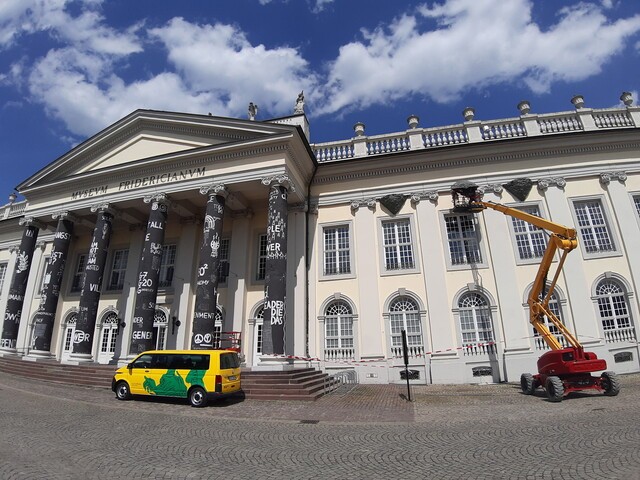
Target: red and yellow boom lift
x,y
561,370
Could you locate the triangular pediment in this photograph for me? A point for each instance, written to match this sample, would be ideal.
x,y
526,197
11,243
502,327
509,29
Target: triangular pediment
x,y
146,134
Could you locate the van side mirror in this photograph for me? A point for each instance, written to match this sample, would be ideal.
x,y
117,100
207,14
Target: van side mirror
x,y
130,365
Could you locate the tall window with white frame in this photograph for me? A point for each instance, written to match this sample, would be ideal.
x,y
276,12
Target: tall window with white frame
x,y
593,227
118,269
404,314
261,269
614,312
337,256
167,266
217,334
398,246
475,324
530,239
78,273
338,328
462,236
109,334
3,274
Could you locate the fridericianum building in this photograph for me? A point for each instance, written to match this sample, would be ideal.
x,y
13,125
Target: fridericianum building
x,y
175,230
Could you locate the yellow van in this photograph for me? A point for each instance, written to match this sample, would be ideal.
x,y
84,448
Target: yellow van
x,y
198,375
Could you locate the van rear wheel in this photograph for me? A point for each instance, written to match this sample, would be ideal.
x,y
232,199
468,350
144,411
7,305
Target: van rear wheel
x,y
122,391
198,397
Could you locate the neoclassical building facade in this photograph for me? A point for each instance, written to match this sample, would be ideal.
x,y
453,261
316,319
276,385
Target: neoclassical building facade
x,y
175,230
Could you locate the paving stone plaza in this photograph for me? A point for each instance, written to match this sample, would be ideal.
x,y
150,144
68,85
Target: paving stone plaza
x,y
52,431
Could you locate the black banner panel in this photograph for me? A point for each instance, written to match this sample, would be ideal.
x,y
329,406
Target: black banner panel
x,y
90,293
142,338
18,287
204,316
275,288
46,314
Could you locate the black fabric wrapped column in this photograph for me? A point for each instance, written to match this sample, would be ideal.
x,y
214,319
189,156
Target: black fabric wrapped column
x,y
148,275
275,288
91,284
204,316
46,314
15,301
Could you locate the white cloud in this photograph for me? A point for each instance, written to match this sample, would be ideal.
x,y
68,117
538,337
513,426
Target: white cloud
x,y
86,30
476,44
220,59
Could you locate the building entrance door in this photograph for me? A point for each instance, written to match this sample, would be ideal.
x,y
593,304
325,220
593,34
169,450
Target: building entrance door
x,y
108,338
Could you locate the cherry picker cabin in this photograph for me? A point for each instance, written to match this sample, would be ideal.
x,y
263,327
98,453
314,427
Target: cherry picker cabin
x,y
560,370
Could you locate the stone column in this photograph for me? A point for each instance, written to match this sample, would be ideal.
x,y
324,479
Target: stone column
x,y
13,312
148,274
90,293
204,315
46,314
275,288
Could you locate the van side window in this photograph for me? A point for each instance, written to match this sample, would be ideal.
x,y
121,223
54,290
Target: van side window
x,y
143,361
160,361
229,360
200,362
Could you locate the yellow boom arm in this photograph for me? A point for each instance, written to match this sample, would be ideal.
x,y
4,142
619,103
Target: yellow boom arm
x,y
560,238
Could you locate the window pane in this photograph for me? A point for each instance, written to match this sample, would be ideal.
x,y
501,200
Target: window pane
x,y
398,248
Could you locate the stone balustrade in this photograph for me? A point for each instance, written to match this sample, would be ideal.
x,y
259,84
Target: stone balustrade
x,y
475,131
11,210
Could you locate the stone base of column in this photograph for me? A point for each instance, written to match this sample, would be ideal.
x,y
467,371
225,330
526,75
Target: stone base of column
x,y
271,363
8,352
35,355
78,359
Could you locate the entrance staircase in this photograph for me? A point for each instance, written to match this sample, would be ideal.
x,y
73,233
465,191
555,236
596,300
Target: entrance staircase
x,y
298,384
92,375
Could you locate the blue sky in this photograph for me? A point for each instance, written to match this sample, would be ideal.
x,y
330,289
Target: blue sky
x,y
69,68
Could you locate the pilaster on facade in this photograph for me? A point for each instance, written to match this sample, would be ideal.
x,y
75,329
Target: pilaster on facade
x,y
417,197
607,177
370,203
545,183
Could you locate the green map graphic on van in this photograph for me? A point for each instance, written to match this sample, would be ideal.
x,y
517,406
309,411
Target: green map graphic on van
x,y
172,384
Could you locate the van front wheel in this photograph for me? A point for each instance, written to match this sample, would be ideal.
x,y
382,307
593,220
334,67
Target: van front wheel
x,y
198,397
122,391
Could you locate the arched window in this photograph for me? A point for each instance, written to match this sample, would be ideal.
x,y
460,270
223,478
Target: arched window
x,y
404,314
475,319
160,323
338,326
614,311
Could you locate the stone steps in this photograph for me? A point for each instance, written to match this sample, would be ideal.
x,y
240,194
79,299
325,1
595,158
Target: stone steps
x,y
298,384
51,371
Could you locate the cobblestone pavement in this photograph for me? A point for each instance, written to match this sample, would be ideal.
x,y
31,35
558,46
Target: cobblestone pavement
x,y
448,432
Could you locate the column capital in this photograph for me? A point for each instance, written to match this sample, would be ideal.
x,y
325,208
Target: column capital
x,y
65,215
314,208
369,202
606,177
31,222
159,198
219,189
103,208
281,180
14,249
416,197
545,183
